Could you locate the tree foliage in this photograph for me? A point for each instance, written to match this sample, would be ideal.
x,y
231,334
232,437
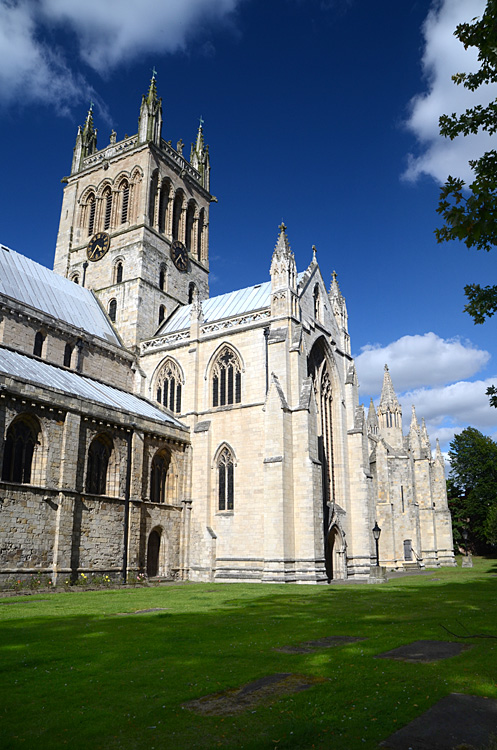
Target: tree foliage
x,y
470,213
472,487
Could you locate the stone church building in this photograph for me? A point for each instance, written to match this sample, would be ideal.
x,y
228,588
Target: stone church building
x,y
148,427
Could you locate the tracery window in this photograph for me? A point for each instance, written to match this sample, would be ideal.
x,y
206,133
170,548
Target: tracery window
x,y
226,379
169,386
158,476
107,196
19,449
226,480
98,462
38,345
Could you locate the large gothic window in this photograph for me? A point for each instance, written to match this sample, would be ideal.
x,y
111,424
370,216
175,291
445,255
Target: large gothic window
x,y
19,449
226,480
158,476
226,379
318,370
169,386
98,464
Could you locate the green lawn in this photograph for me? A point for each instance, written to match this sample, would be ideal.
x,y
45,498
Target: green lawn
x,y
77,673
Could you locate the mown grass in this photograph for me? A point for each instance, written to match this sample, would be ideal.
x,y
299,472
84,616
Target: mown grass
x,y
76,672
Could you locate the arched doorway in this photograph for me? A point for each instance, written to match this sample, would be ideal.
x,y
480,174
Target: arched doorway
x,y
153,548
335,554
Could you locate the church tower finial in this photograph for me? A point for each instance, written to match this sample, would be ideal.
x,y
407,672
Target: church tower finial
x,y
150,120
390,413
86,141
199,155
283,277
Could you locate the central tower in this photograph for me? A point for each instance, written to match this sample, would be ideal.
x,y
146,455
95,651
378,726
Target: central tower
x,y
134,224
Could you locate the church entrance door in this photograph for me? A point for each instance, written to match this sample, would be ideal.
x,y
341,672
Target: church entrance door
x,y
153,548
334,554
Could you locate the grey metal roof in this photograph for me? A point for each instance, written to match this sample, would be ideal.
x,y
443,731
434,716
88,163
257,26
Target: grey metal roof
x,y
224,306
32,370
28,282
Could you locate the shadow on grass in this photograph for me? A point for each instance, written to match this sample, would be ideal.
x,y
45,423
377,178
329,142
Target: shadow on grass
x,y
73,672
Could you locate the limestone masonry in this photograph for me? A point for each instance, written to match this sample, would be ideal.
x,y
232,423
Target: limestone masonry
x,y
148,427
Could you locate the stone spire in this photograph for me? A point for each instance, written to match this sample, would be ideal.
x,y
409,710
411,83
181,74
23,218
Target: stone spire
x,y
390,413
150,120
199,157
372,420
339,308
86,141
414,435
438,453
283,277
425,440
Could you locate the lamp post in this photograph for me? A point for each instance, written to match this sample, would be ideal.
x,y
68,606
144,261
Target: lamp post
x,y
376,537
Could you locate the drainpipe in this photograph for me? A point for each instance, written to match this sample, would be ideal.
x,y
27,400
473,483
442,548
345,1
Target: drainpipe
x,y
85,266
126,503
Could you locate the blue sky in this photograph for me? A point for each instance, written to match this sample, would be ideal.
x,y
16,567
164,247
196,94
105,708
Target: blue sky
x,y
322,113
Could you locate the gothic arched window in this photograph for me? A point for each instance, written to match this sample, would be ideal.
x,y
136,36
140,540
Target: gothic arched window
x,y
190,215
125,201
113,310
226,379
169,386
119,272
177,210
107,196
158,476
162,279
19,449
200,232
38,345
98,463
226,480
91,206
164,205
317,304
191,292
152,197
162,313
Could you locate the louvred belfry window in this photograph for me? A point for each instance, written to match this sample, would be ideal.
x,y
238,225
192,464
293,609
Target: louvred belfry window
x,y
108,207
226,379
91,214
125,203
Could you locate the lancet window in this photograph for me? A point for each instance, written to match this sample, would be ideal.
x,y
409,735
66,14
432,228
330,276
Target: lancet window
x,y
226,379
98,463
226,480
113,310
68,349
169,386
38,345
125,201
91,206
158,476
19,449
190,215
107,196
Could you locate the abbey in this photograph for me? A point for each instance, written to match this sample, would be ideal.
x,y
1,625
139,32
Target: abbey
x,y
148,427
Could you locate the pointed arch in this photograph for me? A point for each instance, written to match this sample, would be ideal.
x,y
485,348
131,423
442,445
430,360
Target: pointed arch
x,y
226,376
225,463
200,234
97,468
87,216
159,468
177,229
169,381
164,205
189,224
152,198
22,449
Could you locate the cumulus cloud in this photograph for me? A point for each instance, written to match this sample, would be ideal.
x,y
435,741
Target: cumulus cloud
x,y
443,56
419,361
105,34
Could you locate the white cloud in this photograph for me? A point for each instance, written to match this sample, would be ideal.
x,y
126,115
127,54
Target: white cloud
x,y
419,361
33,67
443,56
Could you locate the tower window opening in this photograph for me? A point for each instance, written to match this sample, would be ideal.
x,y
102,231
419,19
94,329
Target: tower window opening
x,y
162,313
125,203
162,279
113,310
108,208
191,292
119,272
68,349
91,214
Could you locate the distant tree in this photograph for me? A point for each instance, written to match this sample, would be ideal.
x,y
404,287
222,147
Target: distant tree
x,y
470,214
472,487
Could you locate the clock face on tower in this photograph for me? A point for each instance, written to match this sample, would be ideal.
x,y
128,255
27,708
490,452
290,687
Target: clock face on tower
x,y
179,255
98,246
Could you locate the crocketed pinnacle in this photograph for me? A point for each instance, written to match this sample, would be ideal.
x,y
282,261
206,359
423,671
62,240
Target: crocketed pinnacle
x,y
282,246
388,398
